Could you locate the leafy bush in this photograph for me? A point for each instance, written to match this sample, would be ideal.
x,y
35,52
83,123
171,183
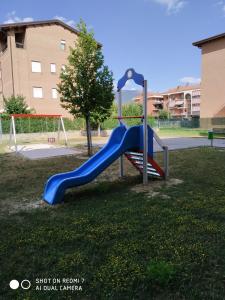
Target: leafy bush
x,y
16,105
164,114
160,272
131,109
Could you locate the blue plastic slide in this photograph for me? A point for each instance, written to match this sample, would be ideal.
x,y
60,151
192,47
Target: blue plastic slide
x,y
121,140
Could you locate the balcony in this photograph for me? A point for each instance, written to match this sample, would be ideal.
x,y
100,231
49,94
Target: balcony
x,y
158,102
196,113
179,103
196,108
157,107
19,45
181,114
171,104
196,100
3,49
19,39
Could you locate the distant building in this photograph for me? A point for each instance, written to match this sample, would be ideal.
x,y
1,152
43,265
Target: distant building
x,y
181,102
213,81
155,103
32,56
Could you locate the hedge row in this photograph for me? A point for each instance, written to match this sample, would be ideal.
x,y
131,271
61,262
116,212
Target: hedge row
x,y
32,125
35,125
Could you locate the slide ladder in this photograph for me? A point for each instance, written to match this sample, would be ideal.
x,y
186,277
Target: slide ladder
x,y
136,159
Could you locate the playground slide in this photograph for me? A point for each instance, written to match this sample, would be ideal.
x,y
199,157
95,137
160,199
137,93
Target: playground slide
x,y
121,140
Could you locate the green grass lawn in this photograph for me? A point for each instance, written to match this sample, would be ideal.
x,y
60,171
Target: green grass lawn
x,y
164,241
186,132
182,132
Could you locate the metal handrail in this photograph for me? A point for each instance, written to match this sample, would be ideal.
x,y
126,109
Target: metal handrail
x,y
165,153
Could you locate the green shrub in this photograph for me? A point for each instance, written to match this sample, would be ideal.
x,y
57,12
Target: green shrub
x,y
16,105
160,272
130,109
164,114
32,125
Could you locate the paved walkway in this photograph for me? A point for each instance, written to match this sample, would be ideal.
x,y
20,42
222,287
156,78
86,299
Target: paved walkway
x,y
39,151
185,143
44,151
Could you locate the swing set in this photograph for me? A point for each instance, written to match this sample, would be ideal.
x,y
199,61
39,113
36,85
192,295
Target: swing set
x,y
16,124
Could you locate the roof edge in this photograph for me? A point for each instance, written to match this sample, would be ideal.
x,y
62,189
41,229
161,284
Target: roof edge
x,y
209,39
39,23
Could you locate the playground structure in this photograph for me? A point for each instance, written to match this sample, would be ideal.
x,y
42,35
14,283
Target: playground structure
x,y
141,159
135,143
58,123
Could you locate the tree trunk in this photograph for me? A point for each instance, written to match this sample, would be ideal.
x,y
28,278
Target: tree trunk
x,y
88,130
99,129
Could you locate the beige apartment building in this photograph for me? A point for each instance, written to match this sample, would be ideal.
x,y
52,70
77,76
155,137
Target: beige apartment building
x,y
213,81
32,56
181,102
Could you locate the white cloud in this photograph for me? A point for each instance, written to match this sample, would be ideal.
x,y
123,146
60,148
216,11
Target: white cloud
x,y
221,4
172,6
190,80
71,23
13,18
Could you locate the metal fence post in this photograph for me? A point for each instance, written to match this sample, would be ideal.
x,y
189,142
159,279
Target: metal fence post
x,y
121,169
14,132
166,161
64,131
1,134
145,135
58,133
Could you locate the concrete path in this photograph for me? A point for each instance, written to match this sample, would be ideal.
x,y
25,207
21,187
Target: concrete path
x,y
39,151
46,153
185,143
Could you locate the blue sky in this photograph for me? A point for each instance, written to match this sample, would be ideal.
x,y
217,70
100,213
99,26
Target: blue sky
x,y
153,36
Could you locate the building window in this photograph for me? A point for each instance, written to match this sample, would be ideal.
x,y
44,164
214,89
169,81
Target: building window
x,y
37,92
63,45
36,66
19,39
54,93
53,68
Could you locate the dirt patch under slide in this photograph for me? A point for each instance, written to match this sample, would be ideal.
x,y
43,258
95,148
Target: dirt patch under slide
x,y
16,206
155,188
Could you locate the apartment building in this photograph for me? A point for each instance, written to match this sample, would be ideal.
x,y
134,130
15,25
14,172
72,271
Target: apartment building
x,y
155,103
32,56
213,88
180,102
183,101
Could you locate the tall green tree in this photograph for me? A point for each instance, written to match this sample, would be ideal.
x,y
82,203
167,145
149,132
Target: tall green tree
x,y
86,85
